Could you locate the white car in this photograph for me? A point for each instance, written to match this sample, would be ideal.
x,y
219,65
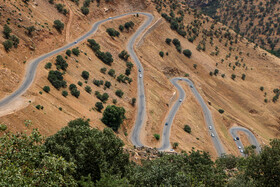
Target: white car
x,y
241,151
180,100
239,147
180,79
212,134
140,75
210,127
110,17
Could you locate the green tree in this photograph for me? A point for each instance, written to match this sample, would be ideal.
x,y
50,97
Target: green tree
x,y
161,53
85,10
30,30
99,106
24,162
188,129
119,93
233,76
64,93
112,32
47,89
68,52
187,53
121,27
85,75
168,41
76,51
88,89
7,31
15,40
113,116
61,63
133,101
8,44
157,136
58,25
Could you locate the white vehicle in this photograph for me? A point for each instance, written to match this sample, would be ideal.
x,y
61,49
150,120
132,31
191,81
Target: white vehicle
x,y
241,151
110,17
180,100
234,139
212,134
239,147
140,75
210,127
180,79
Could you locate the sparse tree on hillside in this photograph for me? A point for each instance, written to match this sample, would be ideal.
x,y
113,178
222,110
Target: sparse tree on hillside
x,y
30,30
187,53
113,116
58,25
7,31
8,44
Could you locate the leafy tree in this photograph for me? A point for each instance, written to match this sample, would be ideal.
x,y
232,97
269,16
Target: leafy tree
x,y
187,53
88,89
107,84
111,72
168,41
133,101
119,93
7,31
58,25
188,129
233,76
157,136
68,52
124,55
61,63
76,51
92,150
30,30
48,65
99,106
85,75
113,116
103,70
161,53
176,42
64,93
56,79
175,145
15,40
8,44
112,32
47,89
221,111
93,45
127,71
107,58
121,28
243,77
85,10
24,162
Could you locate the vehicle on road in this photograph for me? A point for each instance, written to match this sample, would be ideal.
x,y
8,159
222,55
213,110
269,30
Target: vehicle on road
x,y
239,147
180,79
110,18
191,86
139,70
76,42
241,151
180,100
237,138
140,75
210,127
166,124
212,134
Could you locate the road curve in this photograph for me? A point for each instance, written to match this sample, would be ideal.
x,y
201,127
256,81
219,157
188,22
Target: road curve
x,y
32,66
252,139
206,112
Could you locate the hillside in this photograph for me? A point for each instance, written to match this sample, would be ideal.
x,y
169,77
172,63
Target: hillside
x,y
256,20
232,74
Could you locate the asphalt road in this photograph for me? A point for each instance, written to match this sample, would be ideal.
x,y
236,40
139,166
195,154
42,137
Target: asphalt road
x,y
32,66
252,139
206,112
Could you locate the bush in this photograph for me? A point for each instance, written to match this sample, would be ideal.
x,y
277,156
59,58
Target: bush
x,y
88,89
233,76
93,45
56,79
68,52
107,84
61,63
85,75
175,145
58,25
127,71
76,51
168,41
261,88
113,116
75,93
7,31
107,58
64,93
85,10
111,72
176,42
243,77
8,44
14,40
112,32
121,27
80,83
119,93
157,136
124,55
161,53
187,53
188,129
48,65
3,127
103,70
133,101
221,111
99,106
47,89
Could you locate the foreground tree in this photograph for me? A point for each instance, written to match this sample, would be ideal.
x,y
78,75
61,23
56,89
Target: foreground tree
x,y
113,116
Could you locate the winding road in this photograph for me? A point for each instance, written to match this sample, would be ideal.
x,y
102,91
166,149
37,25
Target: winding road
x,y
141,111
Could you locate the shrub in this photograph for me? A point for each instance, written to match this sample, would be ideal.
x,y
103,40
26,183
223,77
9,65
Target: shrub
x,y
261,88
8,44
99,106
3,127
233,76
76,51
58,25
221,111
243,77
176,42
133,101
115,101
168,41
187,53
64,93
124,55
107,84
175,145
161,53
75,93
14,40
119,93
157,136
30,30
88,89
93,45
47,89
188,129
103,70
112,32
61,63
85,10
48,65
56,79
127,71
68,52
121,27
111,72
80,83
85,75
7,31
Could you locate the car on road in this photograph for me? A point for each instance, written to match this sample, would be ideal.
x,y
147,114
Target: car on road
x,y
110,17
166,124
140,75
239,147
237,138
191,86
180,79
241,151
210,127
180,100
76,42
139,70
212,134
